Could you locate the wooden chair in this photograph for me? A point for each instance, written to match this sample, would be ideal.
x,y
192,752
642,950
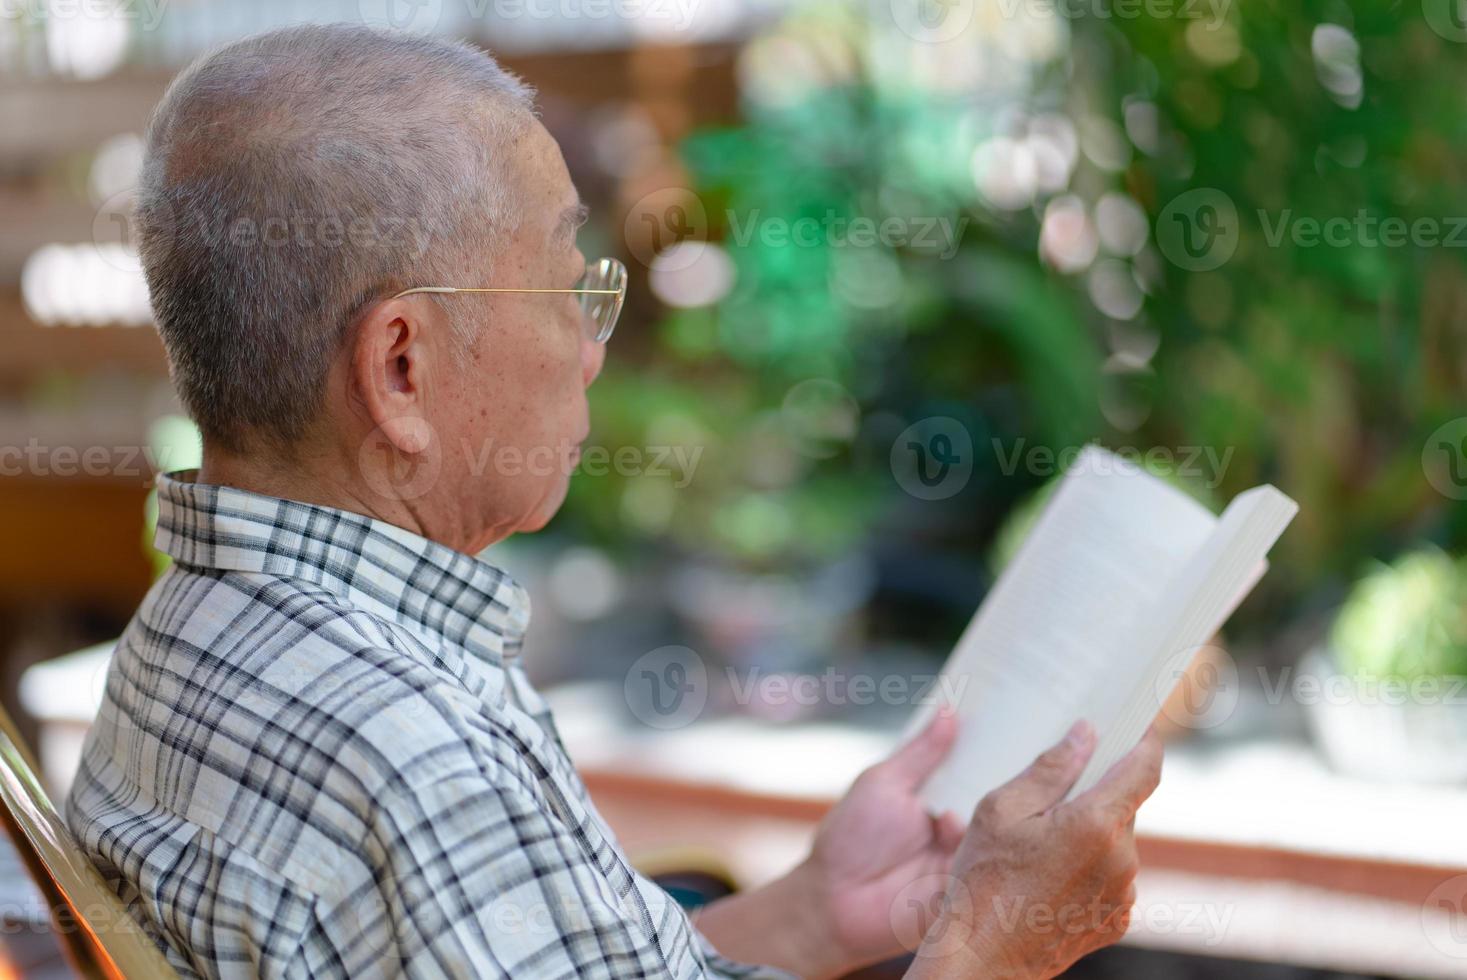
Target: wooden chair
x,y
97,932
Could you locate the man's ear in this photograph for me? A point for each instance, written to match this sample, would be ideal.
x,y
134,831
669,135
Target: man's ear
x,y
389,371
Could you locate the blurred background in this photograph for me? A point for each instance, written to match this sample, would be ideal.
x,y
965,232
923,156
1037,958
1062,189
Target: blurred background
x,y
893,263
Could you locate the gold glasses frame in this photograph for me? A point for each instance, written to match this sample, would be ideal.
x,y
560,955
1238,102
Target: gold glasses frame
x,y
609,275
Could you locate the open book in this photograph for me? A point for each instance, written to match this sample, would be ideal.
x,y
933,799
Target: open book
x,y
1122,579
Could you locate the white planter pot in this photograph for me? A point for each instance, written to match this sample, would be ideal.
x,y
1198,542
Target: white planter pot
x,y
1386,730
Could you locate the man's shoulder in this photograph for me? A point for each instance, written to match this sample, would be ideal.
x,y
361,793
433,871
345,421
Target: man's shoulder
x,y
285,725
287,670
256,611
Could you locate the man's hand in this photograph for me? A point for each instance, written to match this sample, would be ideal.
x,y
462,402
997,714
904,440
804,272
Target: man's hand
x,y
880,861
1038,883
1026,889
876,871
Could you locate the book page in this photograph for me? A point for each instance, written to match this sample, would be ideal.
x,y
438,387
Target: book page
x,y
1187,615
1061,623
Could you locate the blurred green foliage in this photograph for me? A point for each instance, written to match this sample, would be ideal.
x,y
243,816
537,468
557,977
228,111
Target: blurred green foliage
x,y
1406,620
1319,367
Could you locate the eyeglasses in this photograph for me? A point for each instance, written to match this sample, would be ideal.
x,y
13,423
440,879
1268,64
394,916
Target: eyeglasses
x,y
602,291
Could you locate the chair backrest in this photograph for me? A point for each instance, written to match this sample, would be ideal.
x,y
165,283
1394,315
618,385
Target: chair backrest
x,y
96,930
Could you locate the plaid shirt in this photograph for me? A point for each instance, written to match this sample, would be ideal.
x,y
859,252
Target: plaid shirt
x,y
319,756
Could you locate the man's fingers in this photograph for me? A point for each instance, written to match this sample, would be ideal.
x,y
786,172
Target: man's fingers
x,y
1130,781
916,760
1048,777
948,830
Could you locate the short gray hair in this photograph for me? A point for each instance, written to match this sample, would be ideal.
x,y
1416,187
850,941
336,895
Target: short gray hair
x,y
293,176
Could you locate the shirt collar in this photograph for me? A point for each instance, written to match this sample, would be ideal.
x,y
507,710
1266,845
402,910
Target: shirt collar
x,y
366,562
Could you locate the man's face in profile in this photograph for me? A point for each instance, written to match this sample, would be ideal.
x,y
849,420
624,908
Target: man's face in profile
x,y
512,413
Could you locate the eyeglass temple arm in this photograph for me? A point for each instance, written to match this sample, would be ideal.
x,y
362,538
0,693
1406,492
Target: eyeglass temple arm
x,y
456,289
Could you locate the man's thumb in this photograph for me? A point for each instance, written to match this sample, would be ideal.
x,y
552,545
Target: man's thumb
x,y
1049,777
916,760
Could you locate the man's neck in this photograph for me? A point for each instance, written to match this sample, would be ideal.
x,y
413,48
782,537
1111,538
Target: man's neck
x,y
312,479
330,478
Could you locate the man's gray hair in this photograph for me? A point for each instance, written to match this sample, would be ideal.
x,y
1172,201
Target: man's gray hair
x,y
293,176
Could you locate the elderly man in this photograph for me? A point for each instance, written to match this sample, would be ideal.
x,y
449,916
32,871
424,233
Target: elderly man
x,y
319,754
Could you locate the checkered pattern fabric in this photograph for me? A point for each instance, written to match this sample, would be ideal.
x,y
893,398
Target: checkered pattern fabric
x,y
319,756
